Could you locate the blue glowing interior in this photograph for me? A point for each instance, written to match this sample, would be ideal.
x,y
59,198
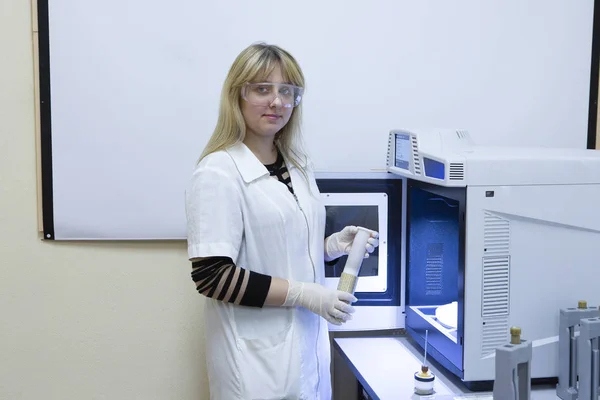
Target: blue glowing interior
x,y
434,233
434,271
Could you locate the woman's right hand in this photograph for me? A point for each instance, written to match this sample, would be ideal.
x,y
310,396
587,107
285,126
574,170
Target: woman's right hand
x,y
333,305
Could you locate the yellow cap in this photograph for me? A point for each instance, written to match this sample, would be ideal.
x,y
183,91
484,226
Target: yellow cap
x,y
582,304
515,335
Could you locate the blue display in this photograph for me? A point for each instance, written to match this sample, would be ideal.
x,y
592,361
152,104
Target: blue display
x,y
434,169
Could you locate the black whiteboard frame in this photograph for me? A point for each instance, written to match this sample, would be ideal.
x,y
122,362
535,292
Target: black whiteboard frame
x,y
45,119
46,115
594,80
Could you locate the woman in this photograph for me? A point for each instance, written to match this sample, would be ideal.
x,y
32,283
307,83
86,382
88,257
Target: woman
x,y
256,240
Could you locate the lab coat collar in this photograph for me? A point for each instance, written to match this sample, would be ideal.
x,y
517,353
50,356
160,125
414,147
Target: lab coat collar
x,y
249,167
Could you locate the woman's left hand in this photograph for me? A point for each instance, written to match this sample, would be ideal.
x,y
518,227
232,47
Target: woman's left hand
x,y
340,243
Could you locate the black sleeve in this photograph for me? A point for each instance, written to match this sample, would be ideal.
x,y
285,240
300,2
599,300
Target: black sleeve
x,y
220,279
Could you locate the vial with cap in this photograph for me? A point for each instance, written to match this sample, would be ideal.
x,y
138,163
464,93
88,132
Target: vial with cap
x,y
424,379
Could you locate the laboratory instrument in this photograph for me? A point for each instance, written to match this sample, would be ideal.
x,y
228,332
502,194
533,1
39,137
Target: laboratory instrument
x,y
495,236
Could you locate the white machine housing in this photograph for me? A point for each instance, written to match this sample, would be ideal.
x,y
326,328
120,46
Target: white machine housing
x,y
532,237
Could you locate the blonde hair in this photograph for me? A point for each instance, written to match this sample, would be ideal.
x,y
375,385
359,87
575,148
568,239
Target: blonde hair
x,y
255,64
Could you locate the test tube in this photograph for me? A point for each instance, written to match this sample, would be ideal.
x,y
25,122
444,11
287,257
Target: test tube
x,y
349,276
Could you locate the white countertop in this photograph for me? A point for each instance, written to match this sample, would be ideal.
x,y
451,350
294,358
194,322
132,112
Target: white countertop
x,y
385,366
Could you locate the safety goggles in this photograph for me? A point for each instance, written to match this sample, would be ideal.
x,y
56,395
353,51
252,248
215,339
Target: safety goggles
x,y
264,94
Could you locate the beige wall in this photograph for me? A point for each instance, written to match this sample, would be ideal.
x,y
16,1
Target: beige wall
x,y
82,320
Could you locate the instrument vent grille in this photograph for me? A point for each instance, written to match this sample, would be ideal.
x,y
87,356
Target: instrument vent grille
x,y
496,286
496,235
457,171
415,151
434,269
388,151
495,302
494,334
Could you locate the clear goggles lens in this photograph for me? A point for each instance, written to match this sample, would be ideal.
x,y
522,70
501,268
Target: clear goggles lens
x,y
264,94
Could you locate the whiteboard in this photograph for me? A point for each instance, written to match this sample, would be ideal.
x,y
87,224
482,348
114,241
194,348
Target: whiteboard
x,y
134,88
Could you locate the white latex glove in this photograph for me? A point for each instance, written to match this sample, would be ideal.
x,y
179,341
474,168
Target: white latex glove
x,y
327,303
340,243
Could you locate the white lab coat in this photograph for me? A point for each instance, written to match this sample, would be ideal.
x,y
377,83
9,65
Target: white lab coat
x,y
234,208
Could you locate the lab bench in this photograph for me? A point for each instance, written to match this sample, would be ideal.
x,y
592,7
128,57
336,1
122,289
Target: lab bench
x,y
382,368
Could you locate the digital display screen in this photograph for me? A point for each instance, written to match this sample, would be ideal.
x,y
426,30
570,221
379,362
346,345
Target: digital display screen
x,y
434,169
402,151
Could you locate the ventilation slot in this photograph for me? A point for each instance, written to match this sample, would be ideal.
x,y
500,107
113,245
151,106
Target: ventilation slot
x,y
495,307
457,171
434,269
496,235
391,139
461,134
415,150
496,281
494,334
